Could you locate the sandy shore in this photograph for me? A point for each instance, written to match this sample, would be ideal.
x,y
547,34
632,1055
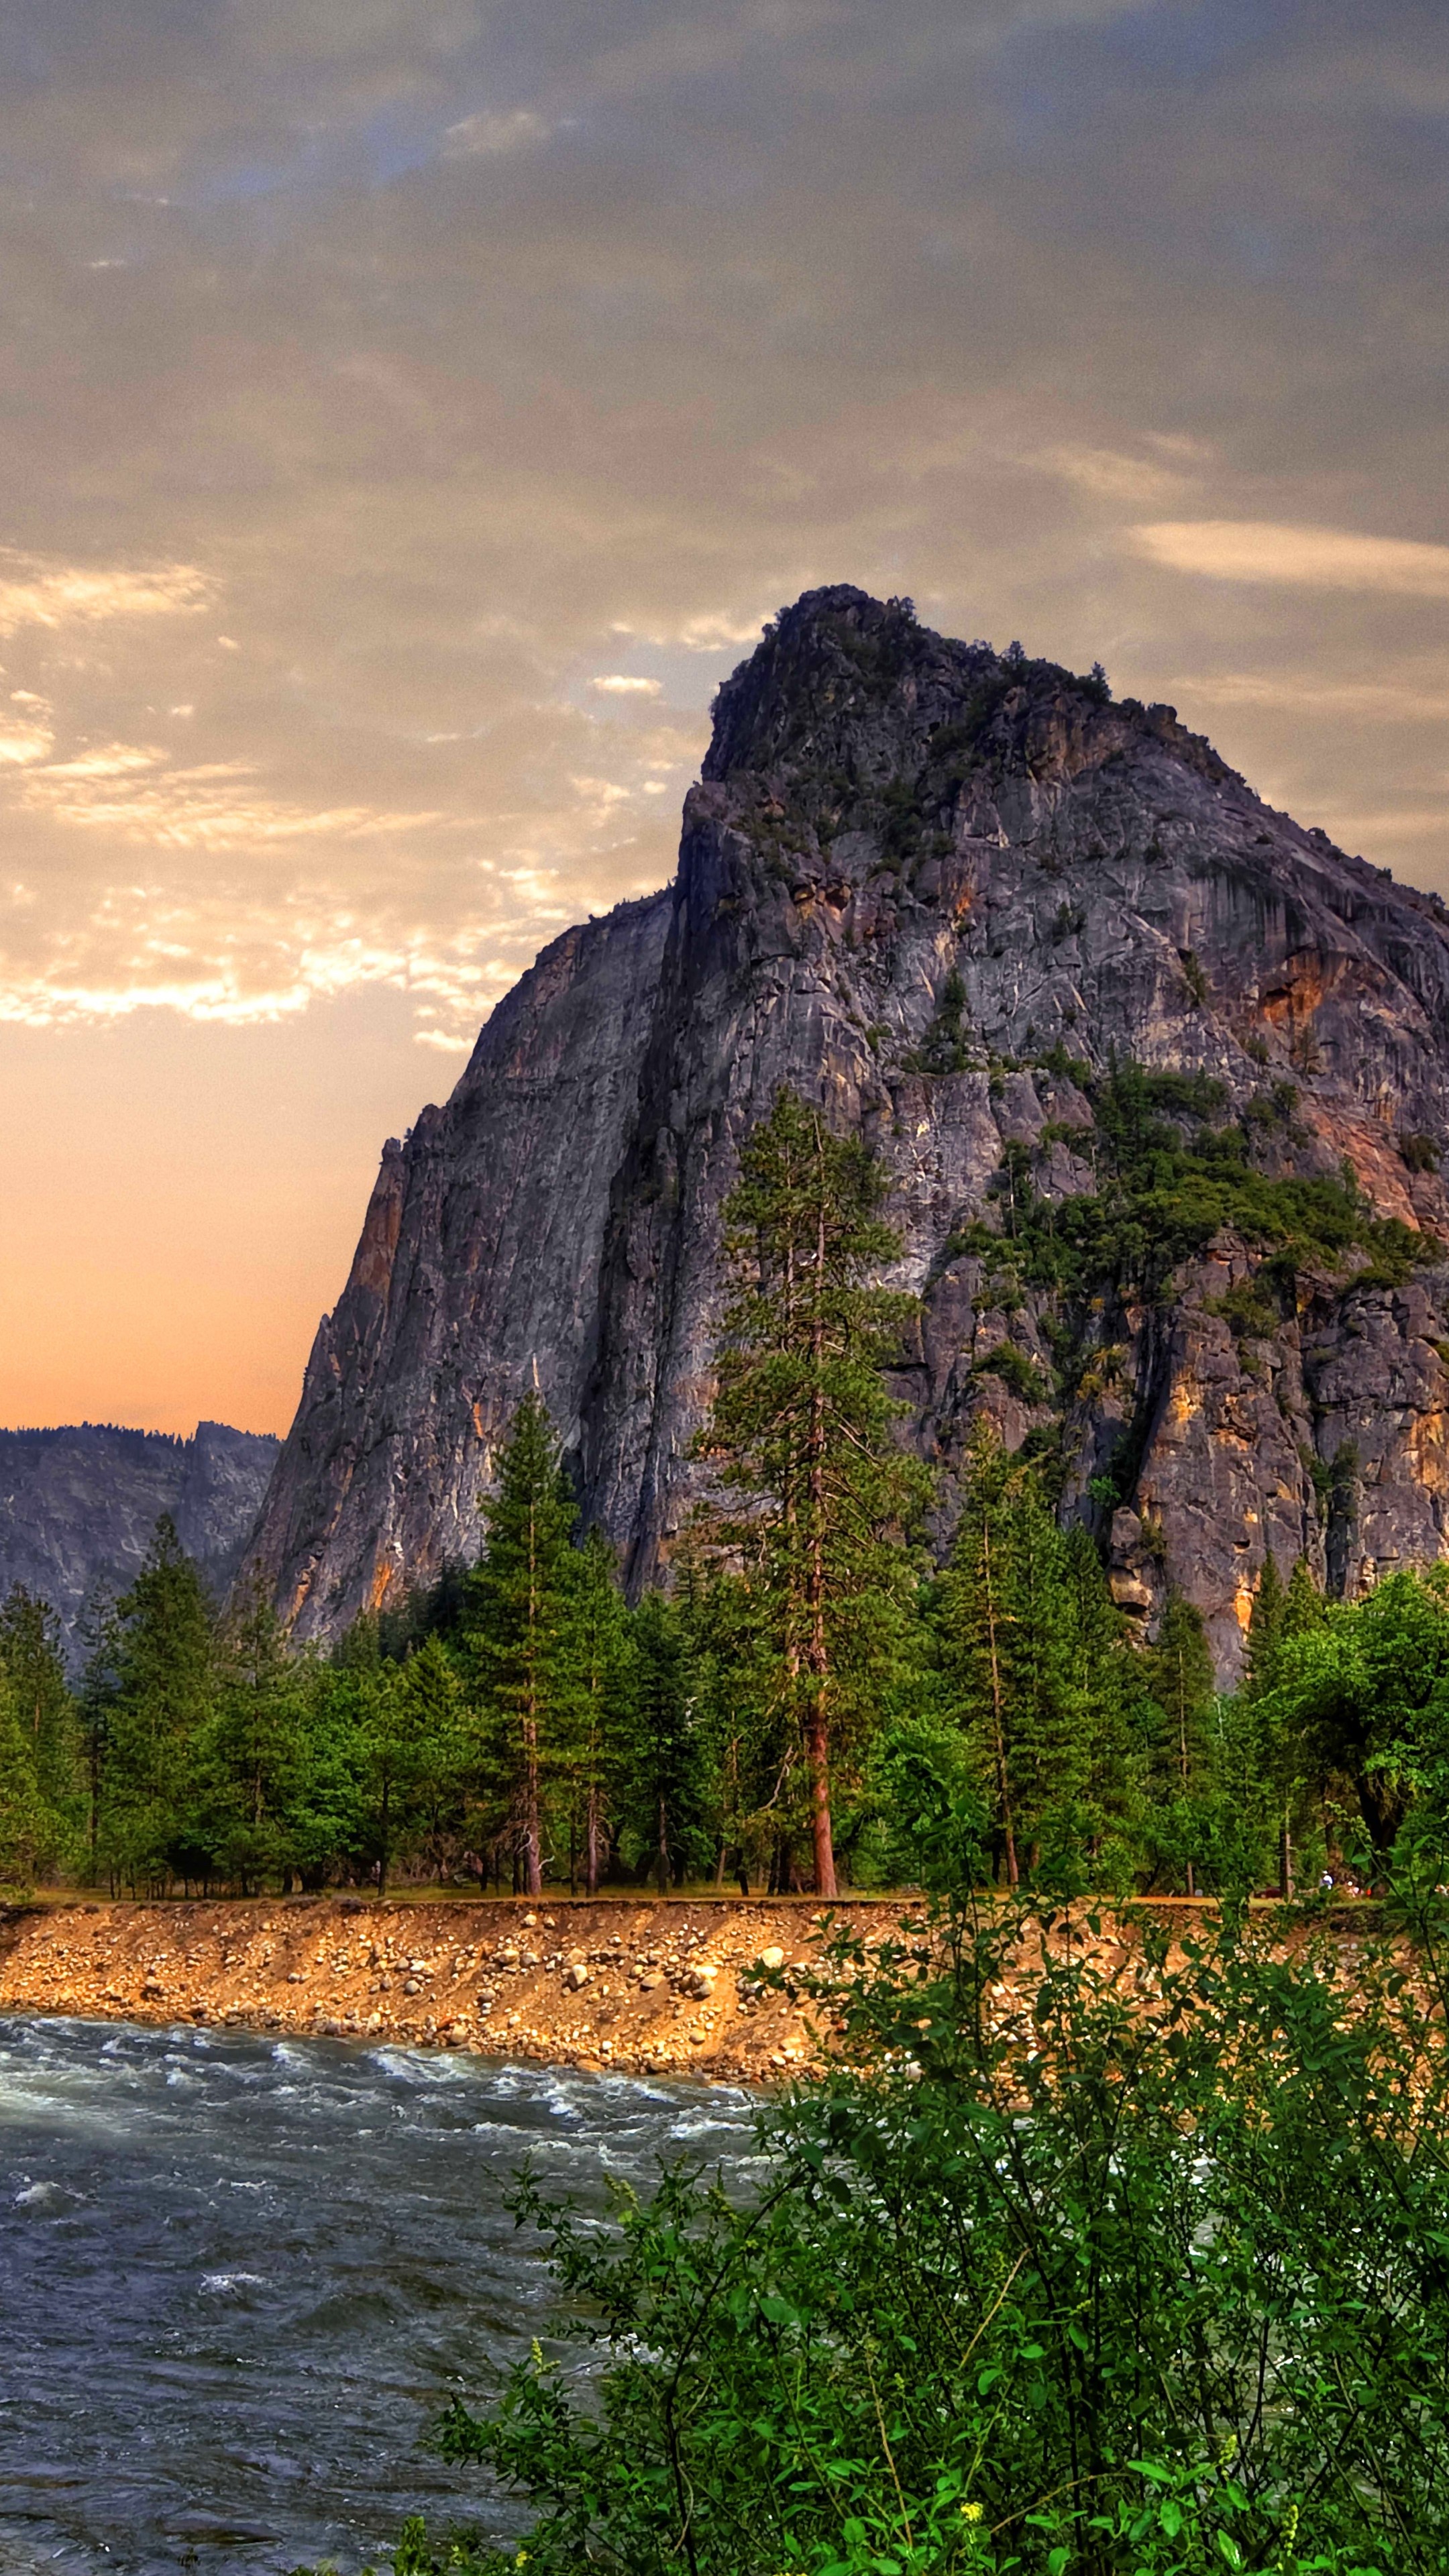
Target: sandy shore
x,y
640,1985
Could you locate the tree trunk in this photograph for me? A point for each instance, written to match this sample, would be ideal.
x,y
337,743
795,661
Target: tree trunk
x,y
591,1844
818,1749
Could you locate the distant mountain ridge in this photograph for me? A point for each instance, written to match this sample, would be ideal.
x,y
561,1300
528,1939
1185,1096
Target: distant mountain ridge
x,y
79,1503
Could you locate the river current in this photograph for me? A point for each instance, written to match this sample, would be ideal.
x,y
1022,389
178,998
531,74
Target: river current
x,y
241,2276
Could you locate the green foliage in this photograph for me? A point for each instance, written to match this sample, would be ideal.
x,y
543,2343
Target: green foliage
x,y
152,1704
41,1810
1169,1181
1018,1607
945,1047
800,1432
515,1620
1246,1311
1086,2261
1363,1691
1017,1370
662,1795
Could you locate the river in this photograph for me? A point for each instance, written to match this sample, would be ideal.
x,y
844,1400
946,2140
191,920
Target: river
x,y
240,2276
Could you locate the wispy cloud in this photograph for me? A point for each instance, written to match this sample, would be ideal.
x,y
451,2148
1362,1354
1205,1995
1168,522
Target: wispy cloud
x,y
37,592
1395,701
496,131
622,684
1111,476
127,791
1260,550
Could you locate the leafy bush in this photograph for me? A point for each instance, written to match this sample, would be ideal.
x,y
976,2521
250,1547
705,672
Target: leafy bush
x,y
1016,1370
1089,2259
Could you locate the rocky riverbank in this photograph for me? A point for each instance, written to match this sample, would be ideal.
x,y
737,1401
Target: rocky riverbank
x,y
643,1986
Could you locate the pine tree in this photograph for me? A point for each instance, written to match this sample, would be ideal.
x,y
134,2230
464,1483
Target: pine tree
x,y
1280,1613
1106,1670
31,1653
249,1762
663,1766
514,1618
440,1731
801,1429
24,1823
1180,1677
1009,1605
1265,1629
593,1657
390,1726
161,1697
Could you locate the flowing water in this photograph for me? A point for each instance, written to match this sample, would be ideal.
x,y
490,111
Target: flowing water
x,y
240,2277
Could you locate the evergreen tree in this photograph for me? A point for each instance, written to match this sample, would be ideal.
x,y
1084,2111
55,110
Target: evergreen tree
x,y
664,1766
1180,1678
161,1696
1265,1629
515,1616
250,1760
593,1658
439,1729
1284,1772
1107,1674
391,1731
26,1827
801,1430
31,1656
1009,1609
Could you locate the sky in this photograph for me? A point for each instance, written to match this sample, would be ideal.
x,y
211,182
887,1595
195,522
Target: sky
x,y
411,409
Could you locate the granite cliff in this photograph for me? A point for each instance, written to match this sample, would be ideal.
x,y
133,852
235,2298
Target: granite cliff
x,y
1161,1078
79,1505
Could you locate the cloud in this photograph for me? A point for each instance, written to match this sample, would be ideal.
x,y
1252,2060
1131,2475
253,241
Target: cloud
x,y
37,592
1260,550
1110,476
125,791
622,684
495,132
1395,701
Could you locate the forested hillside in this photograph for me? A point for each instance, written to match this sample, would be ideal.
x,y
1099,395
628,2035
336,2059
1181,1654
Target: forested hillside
x,y
812,1696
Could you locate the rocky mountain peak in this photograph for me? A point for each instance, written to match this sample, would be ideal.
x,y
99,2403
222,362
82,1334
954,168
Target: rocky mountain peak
x,y
1152,1068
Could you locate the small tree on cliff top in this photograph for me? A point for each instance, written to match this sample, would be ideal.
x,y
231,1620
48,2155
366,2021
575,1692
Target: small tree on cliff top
x,y
801,1426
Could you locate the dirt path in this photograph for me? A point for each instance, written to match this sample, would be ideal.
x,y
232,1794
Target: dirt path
x,y
639,1985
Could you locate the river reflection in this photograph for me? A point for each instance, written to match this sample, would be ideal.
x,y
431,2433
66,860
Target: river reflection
x,y
241,2275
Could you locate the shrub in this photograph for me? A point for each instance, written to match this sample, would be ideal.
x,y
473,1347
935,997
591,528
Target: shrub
x,y
1087,2259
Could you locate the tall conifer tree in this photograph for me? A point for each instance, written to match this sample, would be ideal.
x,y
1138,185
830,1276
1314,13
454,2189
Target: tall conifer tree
x,y
1180,1676
801,1426
162,1695
515,1617
1009,1600
593,1676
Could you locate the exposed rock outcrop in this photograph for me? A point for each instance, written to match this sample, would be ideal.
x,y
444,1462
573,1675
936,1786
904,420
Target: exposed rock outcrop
x,y
79,1505
943,891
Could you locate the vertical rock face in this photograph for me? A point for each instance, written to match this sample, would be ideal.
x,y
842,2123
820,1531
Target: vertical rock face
x,y
944,892
79,1505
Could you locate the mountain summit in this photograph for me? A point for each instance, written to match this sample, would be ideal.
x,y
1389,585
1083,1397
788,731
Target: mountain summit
x,y
1161,1079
